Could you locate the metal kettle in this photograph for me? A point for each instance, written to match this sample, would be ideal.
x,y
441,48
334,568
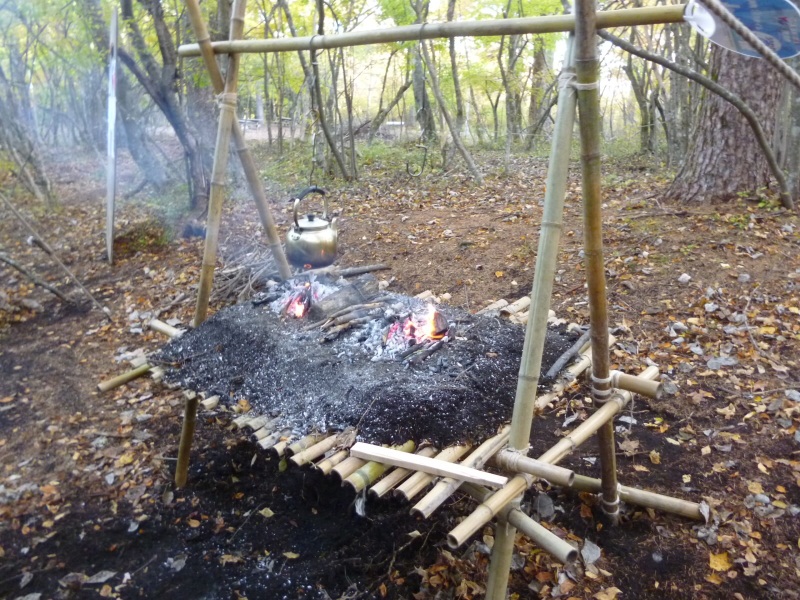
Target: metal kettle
x,y
312,240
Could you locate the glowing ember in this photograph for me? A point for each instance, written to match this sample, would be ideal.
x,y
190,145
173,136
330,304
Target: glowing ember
x,y
299,303
416,330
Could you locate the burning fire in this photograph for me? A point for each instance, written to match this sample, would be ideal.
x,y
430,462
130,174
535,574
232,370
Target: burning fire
x,y
299,303
416,330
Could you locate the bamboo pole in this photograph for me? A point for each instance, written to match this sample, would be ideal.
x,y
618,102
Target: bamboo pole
x,y
327,465
114,382
248,164
227,117
636,385
630,495
447,486
587,71
315,451
397,475
510,460
304,443
426,31
187,433
347,467
538,313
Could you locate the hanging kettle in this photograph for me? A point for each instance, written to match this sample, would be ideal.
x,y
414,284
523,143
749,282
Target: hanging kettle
x,y
312,240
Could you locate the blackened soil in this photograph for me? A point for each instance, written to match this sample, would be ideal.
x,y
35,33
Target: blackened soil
x,y
463,392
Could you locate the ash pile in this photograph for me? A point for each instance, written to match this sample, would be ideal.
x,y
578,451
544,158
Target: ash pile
x,y
327,355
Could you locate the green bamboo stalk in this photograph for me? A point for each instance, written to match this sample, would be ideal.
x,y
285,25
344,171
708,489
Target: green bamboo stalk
x,y
427,31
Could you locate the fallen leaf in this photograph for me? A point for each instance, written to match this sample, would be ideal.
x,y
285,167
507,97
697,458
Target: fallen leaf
x,y
641,468
629,447
229,559
607,594
714,578
124,460
193,523
291,555
498,274
720,562
106,591
755,487
655,457
266,512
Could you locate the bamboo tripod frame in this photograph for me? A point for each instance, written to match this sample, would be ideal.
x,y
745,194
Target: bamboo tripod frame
x,y
502,504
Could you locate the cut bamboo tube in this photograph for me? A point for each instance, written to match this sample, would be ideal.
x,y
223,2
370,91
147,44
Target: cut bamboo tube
x,y
157,374
510,460
635,384
115,382
419,480
497,305
227,118
638,497
516,306
304,443
161,327
397,476
248,164
210,403
371,471
279,449
427,294
326,466
257,423
260,434
274,438
412,33
313,452
488,509
185,445
347,467
447,486
431,466
240,422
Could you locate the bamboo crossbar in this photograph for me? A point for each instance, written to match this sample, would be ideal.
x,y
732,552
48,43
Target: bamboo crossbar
x,y
161,327
675,506
510,460
411,33
114,382
321,447
636,384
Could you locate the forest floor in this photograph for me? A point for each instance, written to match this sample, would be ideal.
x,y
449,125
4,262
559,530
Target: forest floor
x,y
711,294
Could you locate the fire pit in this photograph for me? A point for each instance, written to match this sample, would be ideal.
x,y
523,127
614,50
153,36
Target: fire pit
x,y
319,355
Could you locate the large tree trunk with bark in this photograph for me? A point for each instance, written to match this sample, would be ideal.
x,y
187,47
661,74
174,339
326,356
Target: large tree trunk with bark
x,y
724,158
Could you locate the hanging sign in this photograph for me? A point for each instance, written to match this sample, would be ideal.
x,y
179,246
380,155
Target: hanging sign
x,y
774,22
111,138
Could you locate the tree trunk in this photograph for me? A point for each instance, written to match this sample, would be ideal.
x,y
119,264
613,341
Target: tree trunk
x,y
723,158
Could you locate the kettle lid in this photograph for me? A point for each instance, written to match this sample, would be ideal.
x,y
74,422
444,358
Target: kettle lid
x,y
312,222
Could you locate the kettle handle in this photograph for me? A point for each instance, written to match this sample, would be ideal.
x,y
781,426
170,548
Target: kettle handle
x,y
311,190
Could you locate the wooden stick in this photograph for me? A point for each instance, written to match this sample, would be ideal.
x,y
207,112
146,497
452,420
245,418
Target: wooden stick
x,y
348,272
397,476
424,464
161,327
412,33
227,118
447,486
326,466
567,356
33,278
114,382
419,480
185,445
315,451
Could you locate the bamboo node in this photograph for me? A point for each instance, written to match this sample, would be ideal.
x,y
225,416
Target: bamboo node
x,y
584,87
